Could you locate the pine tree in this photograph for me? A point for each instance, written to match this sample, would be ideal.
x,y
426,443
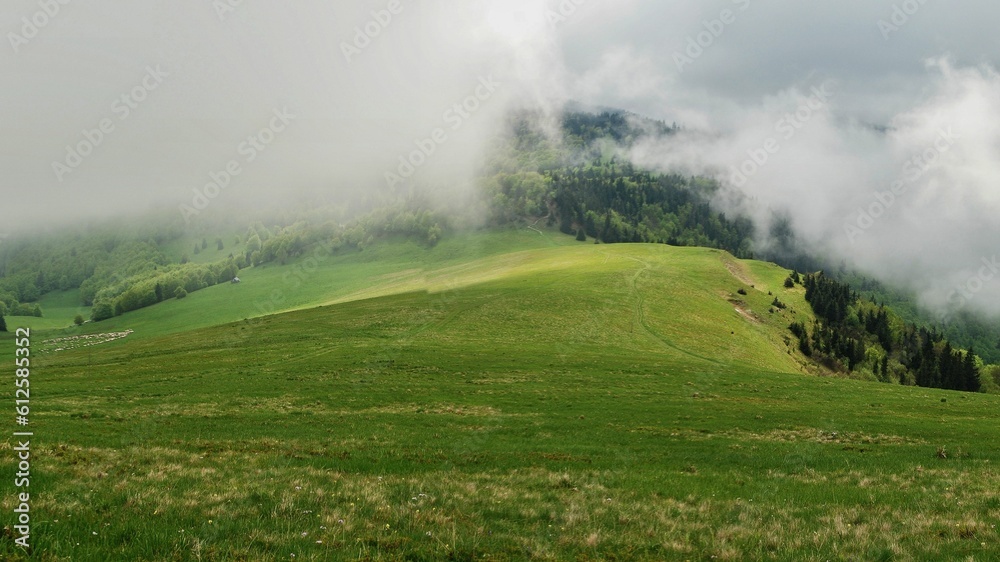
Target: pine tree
x,y
970,373
946,371
926,373
3,324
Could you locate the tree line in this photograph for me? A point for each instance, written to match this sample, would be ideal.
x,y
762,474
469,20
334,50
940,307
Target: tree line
x,y
615,202
852,334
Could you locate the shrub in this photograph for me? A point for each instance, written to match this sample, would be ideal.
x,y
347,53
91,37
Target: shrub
x,y
78,320
789,283
102,311
805,347
180,293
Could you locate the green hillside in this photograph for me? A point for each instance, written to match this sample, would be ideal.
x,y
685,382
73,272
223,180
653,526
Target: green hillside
x,y
318,277
683,292
518,397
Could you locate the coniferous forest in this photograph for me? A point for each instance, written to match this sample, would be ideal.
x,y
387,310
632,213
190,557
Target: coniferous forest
x,y
853,332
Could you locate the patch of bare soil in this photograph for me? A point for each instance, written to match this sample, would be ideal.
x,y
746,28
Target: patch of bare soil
x,y
744,311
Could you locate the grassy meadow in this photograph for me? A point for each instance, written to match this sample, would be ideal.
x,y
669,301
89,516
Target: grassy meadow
x,y
516,397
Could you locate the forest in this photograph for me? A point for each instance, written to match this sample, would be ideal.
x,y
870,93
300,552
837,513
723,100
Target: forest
x,y
854,334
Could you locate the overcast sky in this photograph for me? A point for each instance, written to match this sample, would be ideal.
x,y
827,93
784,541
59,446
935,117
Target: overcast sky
x,y
320,96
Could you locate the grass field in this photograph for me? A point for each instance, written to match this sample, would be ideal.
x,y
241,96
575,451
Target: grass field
x,y
558,401
58,309
316,278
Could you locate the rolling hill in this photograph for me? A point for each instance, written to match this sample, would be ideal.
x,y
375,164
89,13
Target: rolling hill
x,y
517,396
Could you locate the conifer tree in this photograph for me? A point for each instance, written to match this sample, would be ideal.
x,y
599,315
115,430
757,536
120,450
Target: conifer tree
x,y
970,373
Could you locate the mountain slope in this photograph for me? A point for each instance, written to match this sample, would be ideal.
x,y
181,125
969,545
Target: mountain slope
x,y
649,298
580,402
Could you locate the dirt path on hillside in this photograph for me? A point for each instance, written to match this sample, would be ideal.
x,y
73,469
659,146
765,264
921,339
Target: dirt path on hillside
x,y
738,271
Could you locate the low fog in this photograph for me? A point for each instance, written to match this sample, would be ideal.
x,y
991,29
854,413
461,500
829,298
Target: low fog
x,y
912,203
873,124
114,107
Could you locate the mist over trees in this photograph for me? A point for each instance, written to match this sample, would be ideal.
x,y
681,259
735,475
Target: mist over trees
x,y
575,181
